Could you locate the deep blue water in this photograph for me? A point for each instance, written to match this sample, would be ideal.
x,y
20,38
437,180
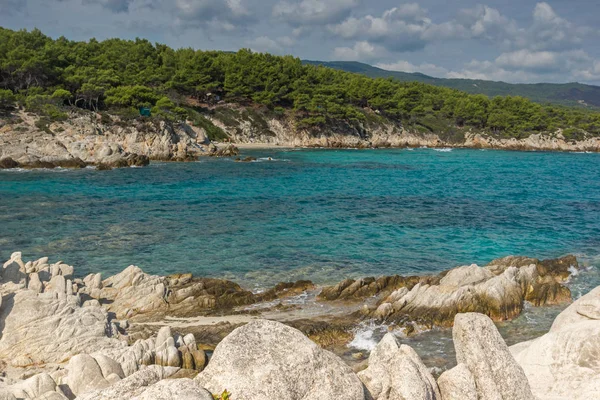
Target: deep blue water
x,y
322,215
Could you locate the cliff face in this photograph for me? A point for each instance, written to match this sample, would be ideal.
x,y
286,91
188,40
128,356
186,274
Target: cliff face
x,y
90,138
95,139
244,125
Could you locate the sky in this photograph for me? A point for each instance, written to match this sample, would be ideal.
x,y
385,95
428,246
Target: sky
x,y
518,41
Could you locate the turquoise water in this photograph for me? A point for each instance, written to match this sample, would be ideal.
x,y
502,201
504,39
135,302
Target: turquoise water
x,y
322,215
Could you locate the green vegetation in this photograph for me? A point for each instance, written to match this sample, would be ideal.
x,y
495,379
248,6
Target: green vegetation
x,y
566,94
47,76
223,396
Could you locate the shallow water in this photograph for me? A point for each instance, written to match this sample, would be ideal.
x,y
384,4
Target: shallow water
x,y
322,215
313,214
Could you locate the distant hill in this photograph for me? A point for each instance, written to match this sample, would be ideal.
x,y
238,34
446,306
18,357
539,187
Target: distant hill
x,y
569,94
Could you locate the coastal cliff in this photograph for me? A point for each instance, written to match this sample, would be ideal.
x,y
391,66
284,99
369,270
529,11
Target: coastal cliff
x,y
137,336
104,140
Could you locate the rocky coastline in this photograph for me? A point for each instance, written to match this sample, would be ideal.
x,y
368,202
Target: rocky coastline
x,y
140,336
104,141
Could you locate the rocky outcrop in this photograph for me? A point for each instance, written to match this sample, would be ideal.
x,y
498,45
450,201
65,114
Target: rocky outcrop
x,y
565,362
397,373
498,290
268,360
108,142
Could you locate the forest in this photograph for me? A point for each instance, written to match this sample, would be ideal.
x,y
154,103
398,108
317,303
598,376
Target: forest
x,y
50,76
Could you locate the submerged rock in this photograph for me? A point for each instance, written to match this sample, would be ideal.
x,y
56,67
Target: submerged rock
x,y
268,360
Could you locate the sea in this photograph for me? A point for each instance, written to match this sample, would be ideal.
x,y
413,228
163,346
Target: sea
x,y
317,214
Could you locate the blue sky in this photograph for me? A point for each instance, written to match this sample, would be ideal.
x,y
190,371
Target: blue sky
x,y
509,40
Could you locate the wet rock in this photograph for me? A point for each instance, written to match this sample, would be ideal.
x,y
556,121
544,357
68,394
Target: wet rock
x,y
227,151
8,163
497,290
268,360
482,350
350,289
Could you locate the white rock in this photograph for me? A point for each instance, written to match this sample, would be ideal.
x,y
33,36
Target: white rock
x,y
85,375
397,373
268,360
480,347
457,384
565,362
176,389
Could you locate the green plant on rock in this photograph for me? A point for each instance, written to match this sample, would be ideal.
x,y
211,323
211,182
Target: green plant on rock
x,y
223,396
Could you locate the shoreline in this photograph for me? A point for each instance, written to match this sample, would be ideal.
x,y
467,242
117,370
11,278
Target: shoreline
x,y
52,320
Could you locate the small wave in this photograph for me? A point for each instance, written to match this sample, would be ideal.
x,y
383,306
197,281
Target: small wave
x,y
367,335
262,159
444,150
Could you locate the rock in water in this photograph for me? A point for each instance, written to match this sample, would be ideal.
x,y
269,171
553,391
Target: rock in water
x,y
268,360
397,373
565,362
480,347
457,384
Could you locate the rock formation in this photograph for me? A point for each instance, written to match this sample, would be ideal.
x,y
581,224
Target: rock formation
x,y
268,360
63,337
565,362
497,290
108,142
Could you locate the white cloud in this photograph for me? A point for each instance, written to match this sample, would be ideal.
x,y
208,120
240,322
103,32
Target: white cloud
x,y
265,44
360,51
313,12
219,15
406,66
400,28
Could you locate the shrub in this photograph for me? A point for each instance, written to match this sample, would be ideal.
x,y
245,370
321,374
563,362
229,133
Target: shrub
x,y
7,99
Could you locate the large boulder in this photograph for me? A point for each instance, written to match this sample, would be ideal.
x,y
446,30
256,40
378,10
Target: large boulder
x,y
397,373
85,375
480,347
268,360
565,362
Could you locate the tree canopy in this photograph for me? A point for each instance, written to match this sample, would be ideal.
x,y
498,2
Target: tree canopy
x,y
43,73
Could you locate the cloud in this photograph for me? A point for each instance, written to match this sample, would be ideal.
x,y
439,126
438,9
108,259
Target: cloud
x,y
362,50
10,7
406,66
218,15
116,6
264,44
313,12
531,66
399,29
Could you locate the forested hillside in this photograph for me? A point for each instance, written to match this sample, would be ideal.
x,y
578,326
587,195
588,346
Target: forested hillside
x,y
48,76
569,94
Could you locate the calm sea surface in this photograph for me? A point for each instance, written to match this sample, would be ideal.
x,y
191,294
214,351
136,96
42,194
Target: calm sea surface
x,y
322,215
